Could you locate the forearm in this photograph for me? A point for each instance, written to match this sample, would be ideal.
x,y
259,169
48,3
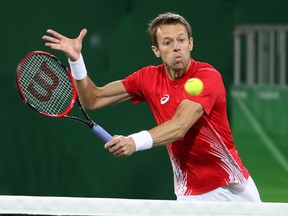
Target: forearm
x,y
185,117
167,132
92,96
162,134
86,89
87,92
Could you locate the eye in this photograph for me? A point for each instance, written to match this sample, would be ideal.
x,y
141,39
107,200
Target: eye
x,y
166,43
181,40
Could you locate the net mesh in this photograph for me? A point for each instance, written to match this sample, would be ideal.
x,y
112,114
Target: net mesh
x,y
29,205
45,84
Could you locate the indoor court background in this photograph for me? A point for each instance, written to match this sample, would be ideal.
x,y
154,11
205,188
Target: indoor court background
x,y
57,157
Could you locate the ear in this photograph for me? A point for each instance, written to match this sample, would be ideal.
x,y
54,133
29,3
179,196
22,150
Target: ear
x,y
191,44
156,51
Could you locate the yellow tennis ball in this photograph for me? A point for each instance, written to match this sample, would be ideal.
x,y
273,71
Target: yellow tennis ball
x,y
194,86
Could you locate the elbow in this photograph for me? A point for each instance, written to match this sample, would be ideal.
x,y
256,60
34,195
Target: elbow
x,y
91,106
87,104
181,131
87,107
91,101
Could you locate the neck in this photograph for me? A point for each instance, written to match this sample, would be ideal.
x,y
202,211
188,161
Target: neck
x,y
173,74
176,74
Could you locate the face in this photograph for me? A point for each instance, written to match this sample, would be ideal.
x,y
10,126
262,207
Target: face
x,y
174,48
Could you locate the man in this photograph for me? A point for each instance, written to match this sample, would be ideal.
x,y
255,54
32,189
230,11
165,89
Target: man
x,y
195,129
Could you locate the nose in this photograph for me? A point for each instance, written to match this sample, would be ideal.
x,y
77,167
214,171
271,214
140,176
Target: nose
x,y
176,47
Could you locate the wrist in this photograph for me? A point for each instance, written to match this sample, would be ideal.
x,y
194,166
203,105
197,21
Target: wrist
x,y
143,140
78,68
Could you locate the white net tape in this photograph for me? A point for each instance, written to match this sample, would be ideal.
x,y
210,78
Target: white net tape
x,y
112,207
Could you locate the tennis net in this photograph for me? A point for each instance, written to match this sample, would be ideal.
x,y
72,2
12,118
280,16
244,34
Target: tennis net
x,y
35,205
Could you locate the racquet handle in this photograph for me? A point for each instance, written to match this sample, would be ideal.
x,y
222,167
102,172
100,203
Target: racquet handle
x,y
101,133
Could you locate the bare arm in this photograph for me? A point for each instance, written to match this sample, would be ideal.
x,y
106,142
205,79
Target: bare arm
x,y
91,96
184,118
94,97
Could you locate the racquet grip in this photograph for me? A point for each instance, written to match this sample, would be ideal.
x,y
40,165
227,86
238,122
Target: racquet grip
x,y
101,133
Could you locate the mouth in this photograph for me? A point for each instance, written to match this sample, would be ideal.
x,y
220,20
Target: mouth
x,y
177,58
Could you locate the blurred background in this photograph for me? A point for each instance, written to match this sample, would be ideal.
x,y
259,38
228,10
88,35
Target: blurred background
x,y
57,157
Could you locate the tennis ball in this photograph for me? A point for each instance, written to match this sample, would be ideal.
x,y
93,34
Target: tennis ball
x,y
193,86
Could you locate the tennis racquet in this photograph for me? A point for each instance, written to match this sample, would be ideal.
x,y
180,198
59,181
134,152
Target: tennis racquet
x,y
47,86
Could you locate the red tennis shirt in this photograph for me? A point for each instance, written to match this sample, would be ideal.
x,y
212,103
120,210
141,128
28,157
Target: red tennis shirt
x,y
206,157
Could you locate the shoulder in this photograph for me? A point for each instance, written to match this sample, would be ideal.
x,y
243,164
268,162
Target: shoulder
x,y
149,71
151,68
203,66
206,69
145,74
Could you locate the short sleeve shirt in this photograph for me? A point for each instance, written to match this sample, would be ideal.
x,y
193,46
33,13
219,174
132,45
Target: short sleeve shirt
x,y
206,157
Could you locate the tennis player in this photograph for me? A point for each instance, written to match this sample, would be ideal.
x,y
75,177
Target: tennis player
x,y
194,128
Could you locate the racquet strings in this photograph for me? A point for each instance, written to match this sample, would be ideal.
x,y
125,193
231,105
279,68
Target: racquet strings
x,y
46,85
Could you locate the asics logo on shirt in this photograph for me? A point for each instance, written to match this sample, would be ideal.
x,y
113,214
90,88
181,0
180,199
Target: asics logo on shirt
x,y
164,99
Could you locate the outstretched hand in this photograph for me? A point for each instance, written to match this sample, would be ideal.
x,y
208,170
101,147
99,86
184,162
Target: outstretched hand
x,y
71,47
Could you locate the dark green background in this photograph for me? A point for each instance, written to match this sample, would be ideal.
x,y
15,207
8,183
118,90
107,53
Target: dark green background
x,y
56,157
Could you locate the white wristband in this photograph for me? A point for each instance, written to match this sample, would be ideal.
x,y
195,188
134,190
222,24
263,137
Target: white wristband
x,y
78,68
142,140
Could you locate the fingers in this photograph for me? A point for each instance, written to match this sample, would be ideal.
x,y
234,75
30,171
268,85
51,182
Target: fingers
x,y
54,41
50,39
71,47
54,46
82,34
120,146
55,34
113,146
117,151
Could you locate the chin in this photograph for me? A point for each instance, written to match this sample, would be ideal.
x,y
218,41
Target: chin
x,y
179,66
